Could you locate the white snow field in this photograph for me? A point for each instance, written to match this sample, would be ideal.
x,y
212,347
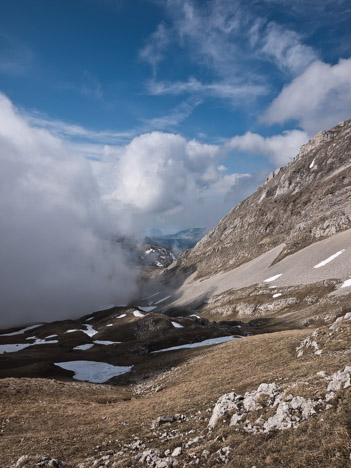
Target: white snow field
x,y
19,332
199,344
329,259
84,347
147,308
93,371
293,270
89,330
106,343
12,348
346,284
136,313
177,325
162,300
272,278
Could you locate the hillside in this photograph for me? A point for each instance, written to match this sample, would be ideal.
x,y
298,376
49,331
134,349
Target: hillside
x,y
301,203
284,252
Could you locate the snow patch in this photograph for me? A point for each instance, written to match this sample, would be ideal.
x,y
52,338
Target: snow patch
x,y
177,325
346,284
162,300
121,316
277,295
90,330
83,347
19,332
136,313
93,371
272,278
312,164
211,341
152,295
12,348
329,259
106,343
147,308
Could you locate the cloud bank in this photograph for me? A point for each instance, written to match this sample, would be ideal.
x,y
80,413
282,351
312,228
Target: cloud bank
x,y
162,179
317,99
280,149
57,260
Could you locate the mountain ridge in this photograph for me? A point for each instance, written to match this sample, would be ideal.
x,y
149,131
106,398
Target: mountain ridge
x,y
279,211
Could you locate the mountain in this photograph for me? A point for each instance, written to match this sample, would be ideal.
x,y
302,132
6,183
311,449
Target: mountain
x,y
301,203
179,241
278,238
156,256
237,354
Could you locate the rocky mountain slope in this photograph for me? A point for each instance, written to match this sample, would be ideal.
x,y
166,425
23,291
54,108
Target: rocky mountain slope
x,y
283,253
301,203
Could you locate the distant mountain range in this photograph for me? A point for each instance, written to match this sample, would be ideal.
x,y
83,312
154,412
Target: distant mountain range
x,y
177,242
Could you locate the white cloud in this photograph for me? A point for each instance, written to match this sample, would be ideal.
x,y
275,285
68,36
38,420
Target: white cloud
x,y
280,149
317,99
162,179
231,42
223,90
286,49
56,257
175,116
74,131
157,171
153,51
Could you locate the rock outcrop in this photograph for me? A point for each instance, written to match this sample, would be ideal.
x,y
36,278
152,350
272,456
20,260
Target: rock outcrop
x,y
288,410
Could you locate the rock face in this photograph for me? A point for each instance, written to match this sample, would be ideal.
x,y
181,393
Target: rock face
x,y
288,410
156,256
307,200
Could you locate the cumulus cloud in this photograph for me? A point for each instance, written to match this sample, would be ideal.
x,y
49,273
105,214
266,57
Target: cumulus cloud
x,y
157,170
317,99
280,149
57,259
162,179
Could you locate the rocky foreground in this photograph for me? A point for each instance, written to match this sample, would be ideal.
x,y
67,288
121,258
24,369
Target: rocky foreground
x,y
294,408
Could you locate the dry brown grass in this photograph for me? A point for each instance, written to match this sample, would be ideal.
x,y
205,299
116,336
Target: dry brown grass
x,y
68,420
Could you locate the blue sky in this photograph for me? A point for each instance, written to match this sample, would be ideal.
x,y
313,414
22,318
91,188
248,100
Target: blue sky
x,y
117,116
181,107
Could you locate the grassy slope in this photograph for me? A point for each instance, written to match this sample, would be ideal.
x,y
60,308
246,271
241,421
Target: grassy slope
x,y
68,420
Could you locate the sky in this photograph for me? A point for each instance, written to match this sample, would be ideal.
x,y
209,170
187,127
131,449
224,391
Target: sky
x,y
119,116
